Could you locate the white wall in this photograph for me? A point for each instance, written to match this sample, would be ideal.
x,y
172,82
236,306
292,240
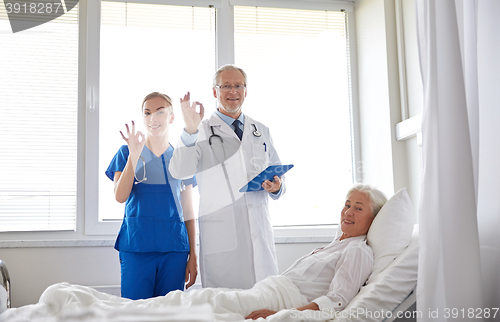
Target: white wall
x,y
387,163
31,270
384,158
412,66
415,98
489,152
374,100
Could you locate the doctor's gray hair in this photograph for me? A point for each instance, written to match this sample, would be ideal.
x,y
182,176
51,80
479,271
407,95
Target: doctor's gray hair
x,y
377,197
228,67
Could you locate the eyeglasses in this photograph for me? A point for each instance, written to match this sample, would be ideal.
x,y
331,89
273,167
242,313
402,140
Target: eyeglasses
x,y
227,88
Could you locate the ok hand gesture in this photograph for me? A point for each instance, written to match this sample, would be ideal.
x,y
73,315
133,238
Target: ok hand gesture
x,y
191,118
135,142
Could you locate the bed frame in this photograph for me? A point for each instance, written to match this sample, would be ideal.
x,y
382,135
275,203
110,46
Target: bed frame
x,y
5,280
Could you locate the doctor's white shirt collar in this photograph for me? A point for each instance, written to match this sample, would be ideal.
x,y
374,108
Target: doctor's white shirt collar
x,y
229,120
189,140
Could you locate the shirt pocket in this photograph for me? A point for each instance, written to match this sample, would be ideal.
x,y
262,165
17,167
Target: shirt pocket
x,y
260,156
138,234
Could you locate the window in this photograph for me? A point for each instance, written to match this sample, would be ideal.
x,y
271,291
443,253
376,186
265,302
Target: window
x,y
145,48
296,62
38,124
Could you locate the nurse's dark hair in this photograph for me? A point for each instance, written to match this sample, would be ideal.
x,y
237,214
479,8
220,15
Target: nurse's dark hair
x,y
228,67
377,197
158,94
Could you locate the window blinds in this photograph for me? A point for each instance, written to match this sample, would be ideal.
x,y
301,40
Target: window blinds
x,y
279,21
129,14
38,125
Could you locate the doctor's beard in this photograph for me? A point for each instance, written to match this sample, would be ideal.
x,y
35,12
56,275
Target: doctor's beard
x,y
229,110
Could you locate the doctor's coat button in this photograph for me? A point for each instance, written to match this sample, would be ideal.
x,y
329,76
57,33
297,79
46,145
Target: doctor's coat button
x,y
250,206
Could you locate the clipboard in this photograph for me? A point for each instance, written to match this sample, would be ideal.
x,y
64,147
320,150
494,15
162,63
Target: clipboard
x,y
268,174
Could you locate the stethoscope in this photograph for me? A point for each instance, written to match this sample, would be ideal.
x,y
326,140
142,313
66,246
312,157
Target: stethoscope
x,y
182,187
255,133
144,171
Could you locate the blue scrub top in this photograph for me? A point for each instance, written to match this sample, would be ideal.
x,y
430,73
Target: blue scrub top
x,y
153,220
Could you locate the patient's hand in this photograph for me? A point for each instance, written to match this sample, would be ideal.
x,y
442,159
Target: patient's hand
x,y
264,313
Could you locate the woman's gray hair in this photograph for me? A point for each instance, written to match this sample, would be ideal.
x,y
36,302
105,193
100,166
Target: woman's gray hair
x,y
228,67
377,197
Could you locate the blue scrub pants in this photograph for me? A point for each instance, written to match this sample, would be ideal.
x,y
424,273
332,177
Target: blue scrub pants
x,y
145,275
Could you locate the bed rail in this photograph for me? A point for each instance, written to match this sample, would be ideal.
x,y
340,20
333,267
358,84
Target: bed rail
x,y
5,280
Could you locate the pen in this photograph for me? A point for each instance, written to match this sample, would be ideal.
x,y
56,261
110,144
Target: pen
x,y
265,147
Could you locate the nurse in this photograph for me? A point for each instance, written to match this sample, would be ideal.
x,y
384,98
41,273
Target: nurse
x,y
156,242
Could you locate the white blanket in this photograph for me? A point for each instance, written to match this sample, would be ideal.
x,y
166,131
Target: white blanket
x,y
65,302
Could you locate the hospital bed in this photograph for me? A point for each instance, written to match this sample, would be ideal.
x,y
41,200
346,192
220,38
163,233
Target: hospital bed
x,y
386,296
4,287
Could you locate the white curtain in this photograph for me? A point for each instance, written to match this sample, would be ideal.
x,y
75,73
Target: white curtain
x,y
459,263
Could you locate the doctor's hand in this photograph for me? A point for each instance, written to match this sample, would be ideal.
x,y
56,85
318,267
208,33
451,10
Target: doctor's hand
x,y
191,118
264,313
135,142
191,271
273,186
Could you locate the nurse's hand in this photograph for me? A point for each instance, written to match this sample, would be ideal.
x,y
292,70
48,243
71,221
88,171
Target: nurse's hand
x,y
191,118
264,313
191,271
135,142
273,186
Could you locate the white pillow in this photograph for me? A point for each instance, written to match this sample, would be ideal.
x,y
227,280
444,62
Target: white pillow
x,y
391,230
387,289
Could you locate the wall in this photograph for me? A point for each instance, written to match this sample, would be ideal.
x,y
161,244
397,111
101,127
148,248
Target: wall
x,y
384,158
489,151
414,98
31,270
388,163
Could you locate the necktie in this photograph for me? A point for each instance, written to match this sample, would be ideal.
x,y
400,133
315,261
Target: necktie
x,y
237,129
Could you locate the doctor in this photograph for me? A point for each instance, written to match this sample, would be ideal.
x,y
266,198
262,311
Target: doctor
x,y
226,151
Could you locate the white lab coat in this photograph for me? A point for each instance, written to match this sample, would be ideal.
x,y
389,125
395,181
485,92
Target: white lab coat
x,y
236,237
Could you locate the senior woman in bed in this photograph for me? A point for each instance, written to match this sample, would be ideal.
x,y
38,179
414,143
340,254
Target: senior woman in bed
x,y
329,277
